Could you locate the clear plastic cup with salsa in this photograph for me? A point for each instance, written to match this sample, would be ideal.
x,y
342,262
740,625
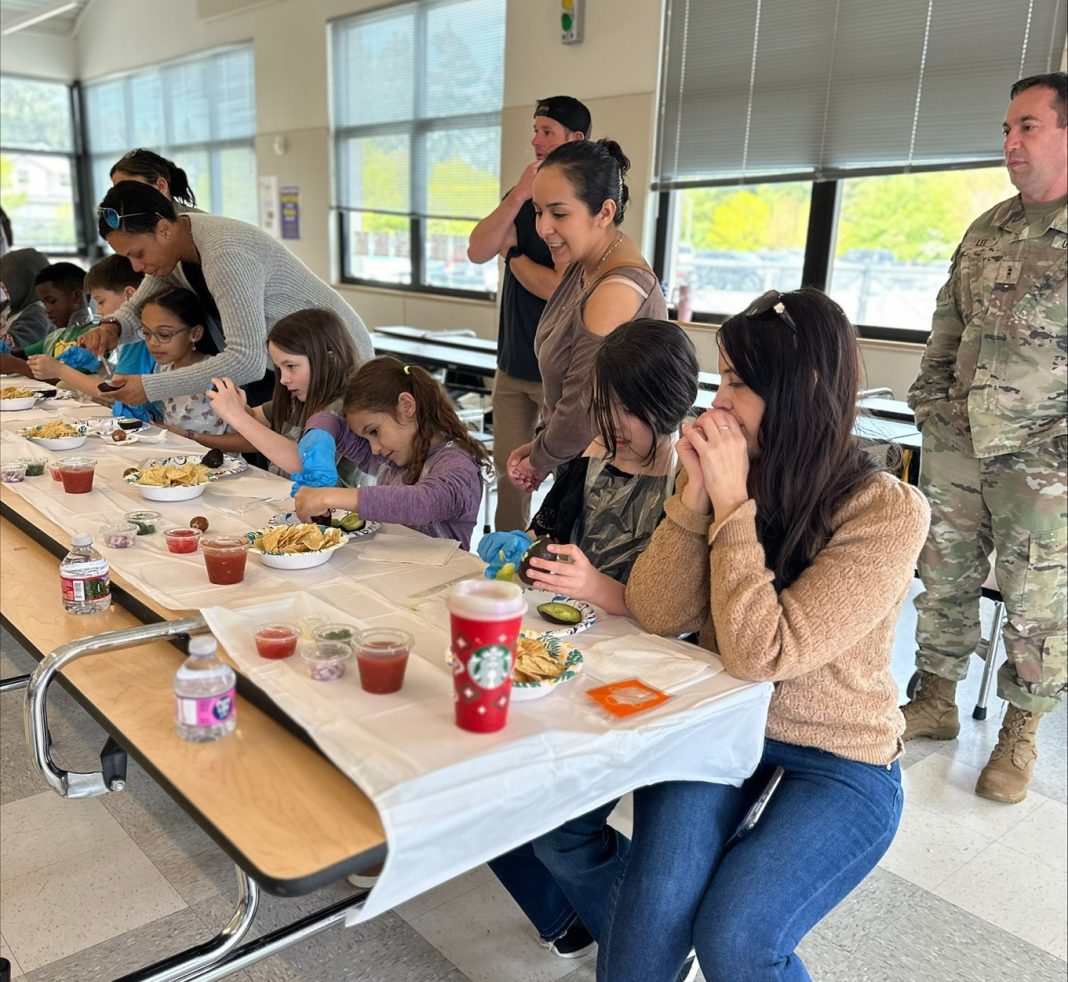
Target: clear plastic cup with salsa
x,y
182,540
382,656
225,557
76,473
277,640
56,470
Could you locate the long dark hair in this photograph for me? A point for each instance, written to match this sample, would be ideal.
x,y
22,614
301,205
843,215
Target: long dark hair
x,y
649,367
150,166
144,205
321,337
186,306
595,169
377,386
805,364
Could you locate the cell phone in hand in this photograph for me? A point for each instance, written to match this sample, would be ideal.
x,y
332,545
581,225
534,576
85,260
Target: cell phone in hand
x,y
753,815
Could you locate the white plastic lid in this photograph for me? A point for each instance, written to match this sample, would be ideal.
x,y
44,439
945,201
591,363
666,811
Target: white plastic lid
x,y
202,644
81,539
486,599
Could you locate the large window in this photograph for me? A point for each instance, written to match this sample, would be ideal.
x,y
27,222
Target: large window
x,y
843,145
416,107
37,164
199,112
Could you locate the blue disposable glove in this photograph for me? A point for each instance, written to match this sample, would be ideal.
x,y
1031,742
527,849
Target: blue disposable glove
x,y
5,348
318,452
80,358
500,548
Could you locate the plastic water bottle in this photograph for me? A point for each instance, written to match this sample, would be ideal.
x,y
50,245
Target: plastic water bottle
x,y
84,576
204,694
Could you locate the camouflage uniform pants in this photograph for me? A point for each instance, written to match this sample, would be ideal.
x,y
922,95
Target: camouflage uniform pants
x,y
1014,504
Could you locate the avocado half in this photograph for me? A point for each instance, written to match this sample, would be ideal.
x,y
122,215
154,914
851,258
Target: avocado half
x,y
539,549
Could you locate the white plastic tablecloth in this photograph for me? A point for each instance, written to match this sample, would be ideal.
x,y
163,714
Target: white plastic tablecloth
x,y
448,799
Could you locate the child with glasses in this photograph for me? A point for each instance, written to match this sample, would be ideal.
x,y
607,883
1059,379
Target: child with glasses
x,y
172,325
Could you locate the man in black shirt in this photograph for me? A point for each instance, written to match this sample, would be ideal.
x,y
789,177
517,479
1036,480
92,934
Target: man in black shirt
x,y
529,280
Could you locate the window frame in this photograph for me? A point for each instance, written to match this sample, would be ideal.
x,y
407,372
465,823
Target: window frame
x,y
417,129
212,148
819,248
76,159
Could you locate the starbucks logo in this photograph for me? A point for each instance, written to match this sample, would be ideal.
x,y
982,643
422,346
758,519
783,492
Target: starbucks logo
x,y
490,666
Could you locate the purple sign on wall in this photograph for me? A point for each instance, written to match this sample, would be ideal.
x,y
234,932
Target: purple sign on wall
x,y
289,210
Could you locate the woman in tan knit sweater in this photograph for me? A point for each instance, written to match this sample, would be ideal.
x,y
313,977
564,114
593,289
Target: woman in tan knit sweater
x,y
797,553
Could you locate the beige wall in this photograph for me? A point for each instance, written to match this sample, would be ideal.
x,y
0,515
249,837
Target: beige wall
x,y
614,71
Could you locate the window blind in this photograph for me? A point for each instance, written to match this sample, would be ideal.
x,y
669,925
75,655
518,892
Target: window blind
x,y
757,90
416,99
199,112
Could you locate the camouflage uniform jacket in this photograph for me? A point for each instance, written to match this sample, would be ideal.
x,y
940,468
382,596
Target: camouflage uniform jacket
x,y
994,371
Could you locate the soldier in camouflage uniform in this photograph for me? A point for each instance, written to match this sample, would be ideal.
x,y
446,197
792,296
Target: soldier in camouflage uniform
x,y
991,401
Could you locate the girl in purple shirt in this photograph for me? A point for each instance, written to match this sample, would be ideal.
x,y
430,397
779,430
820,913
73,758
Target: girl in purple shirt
x,y
401,426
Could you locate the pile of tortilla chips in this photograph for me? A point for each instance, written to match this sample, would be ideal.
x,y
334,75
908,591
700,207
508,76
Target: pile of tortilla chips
x,y
297,538
534,662
173,476
15,392
55,430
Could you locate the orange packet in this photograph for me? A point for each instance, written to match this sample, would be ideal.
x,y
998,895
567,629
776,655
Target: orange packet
x,y
627,697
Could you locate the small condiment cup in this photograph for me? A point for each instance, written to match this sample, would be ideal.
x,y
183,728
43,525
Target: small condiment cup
x,y
326,660
35,466
277,640
182,540
382,657
147,522
120,536
345,633
14,472
76,473
308,623
225,557
55,469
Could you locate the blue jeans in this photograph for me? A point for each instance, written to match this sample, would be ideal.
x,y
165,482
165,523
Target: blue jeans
x,y
567,872
744,905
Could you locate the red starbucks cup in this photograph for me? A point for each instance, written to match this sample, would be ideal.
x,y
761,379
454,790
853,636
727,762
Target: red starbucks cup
x,y
485,618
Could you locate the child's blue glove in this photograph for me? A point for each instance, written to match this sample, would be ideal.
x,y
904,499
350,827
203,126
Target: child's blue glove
x,y
318,452
500,548
81,359
5,348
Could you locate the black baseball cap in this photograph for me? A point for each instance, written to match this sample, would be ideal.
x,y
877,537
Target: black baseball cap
x,y
568,112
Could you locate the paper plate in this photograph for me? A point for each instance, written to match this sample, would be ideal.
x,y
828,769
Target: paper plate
x,y
533,621
291,518
293,560
558,648
230,465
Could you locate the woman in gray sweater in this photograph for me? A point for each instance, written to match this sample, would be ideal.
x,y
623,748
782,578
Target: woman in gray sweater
x,y
246,280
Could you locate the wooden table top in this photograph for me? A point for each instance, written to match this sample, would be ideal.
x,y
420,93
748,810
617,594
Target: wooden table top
x,y
280,809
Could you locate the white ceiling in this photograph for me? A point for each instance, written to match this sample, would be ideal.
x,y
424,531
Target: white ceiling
x,y
63,25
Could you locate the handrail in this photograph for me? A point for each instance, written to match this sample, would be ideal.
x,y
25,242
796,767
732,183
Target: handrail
x,y
73,784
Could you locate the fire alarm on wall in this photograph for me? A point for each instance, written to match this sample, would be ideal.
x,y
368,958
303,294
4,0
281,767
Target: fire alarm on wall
x,y
571,21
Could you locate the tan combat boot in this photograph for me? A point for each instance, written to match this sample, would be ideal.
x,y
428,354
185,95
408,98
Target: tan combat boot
x,y
932,711
1008,772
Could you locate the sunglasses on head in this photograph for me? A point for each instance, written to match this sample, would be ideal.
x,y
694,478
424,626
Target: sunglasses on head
x,y
772,300
113,220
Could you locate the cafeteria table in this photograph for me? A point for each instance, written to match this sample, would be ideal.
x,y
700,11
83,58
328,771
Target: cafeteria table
x,y
292,827
289,818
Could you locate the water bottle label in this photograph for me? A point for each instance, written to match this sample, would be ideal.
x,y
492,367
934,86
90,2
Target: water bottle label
x,y
207,710
79,589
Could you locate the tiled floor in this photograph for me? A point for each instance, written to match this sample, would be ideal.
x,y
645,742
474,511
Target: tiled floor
x,y
92,889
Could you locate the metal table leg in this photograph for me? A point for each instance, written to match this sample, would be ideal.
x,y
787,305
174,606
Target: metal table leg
x,y
13,683
69,784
